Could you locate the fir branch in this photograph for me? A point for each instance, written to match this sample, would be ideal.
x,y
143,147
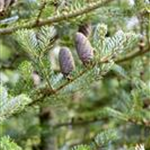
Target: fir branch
x,y
48,92
78,123
7,144
40,94
125,117
139,147
43,4
58,18
132,55
13,106
45,92
100,141
45,74
105,118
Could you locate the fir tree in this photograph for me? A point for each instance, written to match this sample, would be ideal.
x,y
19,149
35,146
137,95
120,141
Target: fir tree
x,y
75,75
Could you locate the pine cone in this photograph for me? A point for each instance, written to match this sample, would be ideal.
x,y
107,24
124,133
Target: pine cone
x,y
84,48
66,61
85,29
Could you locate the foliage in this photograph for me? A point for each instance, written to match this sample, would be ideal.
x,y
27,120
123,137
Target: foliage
x,y
101,104
6,143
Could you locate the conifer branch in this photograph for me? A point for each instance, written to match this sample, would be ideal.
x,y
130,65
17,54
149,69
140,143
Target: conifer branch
x,y
78,123
48,92
45,74
132,55
58,18
40,94
43,4
84,122
127,118
146,123
121,116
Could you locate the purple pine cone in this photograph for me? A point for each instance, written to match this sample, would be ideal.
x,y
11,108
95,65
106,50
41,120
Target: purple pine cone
x,y
66,61
84,48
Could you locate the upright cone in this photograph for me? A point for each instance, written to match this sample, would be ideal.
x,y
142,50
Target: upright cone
x,y
66,61
84,48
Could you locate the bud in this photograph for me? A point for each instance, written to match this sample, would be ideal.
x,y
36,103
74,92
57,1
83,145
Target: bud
x,y
85,29
66,61
84,48
36,78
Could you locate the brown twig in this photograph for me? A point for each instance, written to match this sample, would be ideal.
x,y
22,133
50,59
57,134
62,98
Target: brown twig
x,y
84,122
57,18
43,4
77,123
133,55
